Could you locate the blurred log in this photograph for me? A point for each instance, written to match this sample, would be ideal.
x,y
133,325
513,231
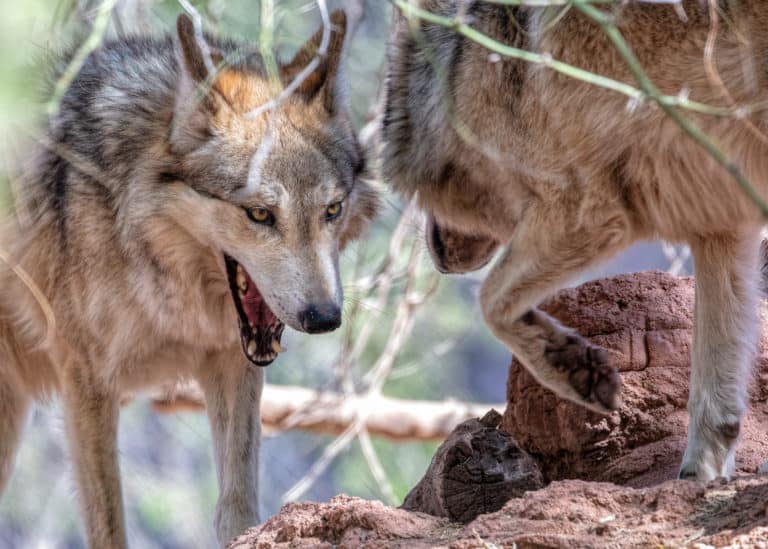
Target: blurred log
x,y
285,408
475,471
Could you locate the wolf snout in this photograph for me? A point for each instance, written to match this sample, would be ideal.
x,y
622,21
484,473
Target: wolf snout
x,y
317,319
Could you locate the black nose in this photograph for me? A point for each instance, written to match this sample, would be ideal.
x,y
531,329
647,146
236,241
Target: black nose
x,y
317,319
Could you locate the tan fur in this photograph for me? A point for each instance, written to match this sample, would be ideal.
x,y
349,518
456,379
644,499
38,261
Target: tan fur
x,y
130,260
565,174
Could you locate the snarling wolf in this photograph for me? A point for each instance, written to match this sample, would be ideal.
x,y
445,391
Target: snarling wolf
x,y
171,230
560,174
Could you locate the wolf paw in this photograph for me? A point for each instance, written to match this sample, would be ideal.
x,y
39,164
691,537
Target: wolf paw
x,y
589,373
711,450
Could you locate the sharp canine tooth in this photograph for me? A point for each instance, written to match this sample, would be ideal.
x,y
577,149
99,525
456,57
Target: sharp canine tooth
x,y
277,347
242,283
251,348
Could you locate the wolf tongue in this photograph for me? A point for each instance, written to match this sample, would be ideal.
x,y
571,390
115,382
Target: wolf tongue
x,y
254,306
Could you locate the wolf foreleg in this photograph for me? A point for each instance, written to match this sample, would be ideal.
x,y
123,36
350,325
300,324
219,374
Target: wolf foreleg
x,y
726,329
531,268
233,395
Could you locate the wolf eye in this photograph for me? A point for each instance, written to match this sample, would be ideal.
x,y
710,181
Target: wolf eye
x,y
333,211
261,215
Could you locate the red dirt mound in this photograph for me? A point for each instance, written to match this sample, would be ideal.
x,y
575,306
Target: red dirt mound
x,y
567,514
645,320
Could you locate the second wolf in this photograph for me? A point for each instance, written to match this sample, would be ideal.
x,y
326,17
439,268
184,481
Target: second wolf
x,y
562,174
171,230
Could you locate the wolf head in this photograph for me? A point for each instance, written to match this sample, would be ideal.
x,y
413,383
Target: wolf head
x,y
274,192
430,88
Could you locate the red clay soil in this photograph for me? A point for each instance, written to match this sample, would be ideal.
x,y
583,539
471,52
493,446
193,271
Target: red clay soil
x,y
566,514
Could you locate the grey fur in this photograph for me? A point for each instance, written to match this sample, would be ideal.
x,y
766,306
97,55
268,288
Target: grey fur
x,y
145,183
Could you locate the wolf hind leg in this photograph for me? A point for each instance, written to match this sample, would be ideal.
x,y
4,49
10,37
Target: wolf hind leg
x,y
91,417
726,330
14,409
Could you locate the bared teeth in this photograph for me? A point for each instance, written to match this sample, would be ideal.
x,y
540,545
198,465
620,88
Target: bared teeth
x,y
266,358
251,348
242,282
277,347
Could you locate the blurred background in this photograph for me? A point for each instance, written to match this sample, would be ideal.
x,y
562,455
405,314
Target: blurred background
x,y
407,333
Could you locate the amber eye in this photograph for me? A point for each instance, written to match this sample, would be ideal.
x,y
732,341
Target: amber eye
x,y
333,211
261,215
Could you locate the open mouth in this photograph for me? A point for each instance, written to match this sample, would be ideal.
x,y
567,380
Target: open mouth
x,y
260,329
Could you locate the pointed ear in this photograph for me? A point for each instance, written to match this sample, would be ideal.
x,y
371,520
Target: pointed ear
x,y
192,55
196,64
323,79
197,100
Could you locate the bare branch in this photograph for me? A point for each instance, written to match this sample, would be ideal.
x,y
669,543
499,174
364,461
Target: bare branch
x,y
286,408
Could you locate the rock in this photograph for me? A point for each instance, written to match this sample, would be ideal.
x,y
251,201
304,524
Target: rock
x,y
475,471
645,320
566,514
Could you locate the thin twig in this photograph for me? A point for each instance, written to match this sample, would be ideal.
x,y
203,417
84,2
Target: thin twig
x,y
376,468
382,367
319,467
322,51
714,75
37,293
383,281
650,89
572,71
197,24
91,43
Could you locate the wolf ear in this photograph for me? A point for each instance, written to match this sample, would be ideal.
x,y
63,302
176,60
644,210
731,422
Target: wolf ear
x,y
197,100
192,54
195,64
323,79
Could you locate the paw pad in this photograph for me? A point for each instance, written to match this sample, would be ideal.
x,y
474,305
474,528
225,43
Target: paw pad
x,y
588,371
